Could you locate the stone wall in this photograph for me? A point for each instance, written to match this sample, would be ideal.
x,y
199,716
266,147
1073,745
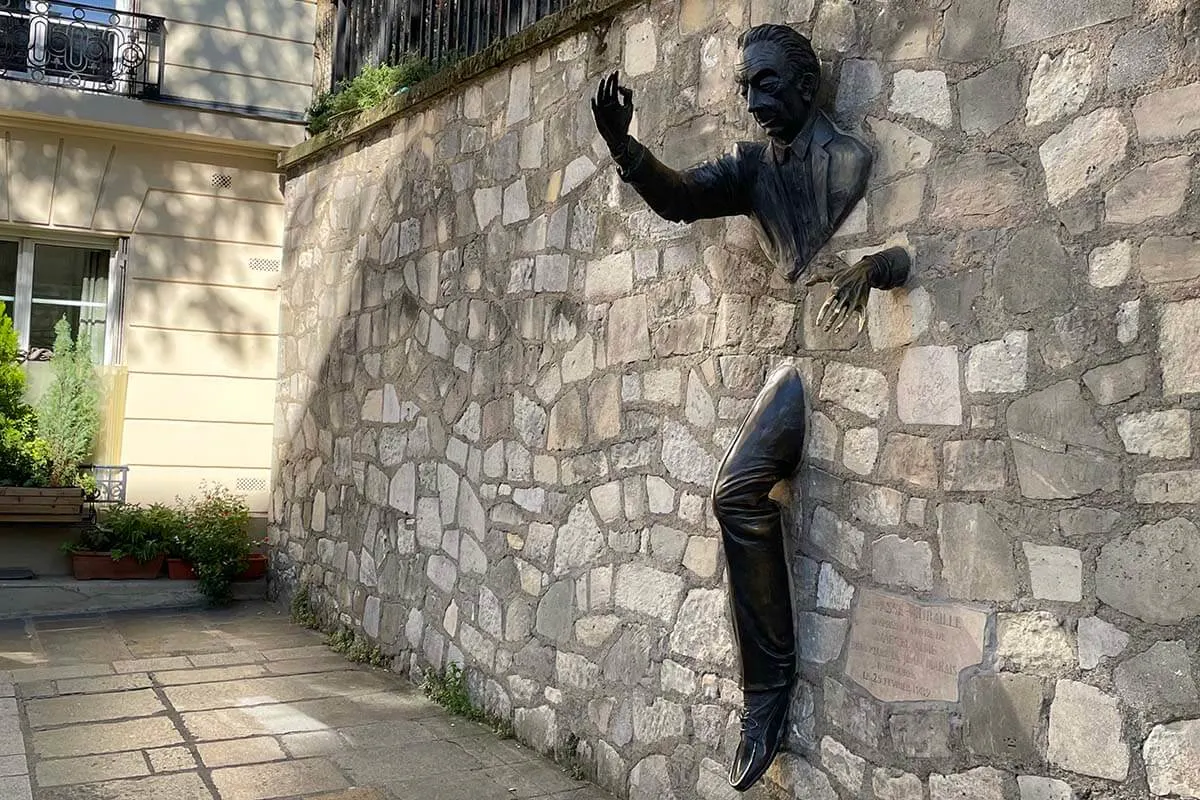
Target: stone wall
x,y
506,386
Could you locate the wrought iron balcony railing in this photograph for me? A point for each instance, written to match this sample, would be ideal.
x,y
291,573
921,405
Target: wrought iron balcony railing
x,y
82,46
384,31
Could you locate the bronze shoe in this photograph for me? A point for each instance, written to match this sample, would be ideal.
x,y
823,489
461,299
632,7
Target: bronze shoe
x,y
763,730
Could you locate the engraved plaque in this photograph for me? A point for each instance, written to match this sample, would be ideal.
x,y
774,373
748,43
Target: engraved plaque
x,y
902,649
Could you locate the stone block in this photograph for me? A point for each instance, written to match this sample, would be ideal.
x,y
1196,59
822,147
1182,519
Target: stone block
x,y
1157,189
988,101
821,637
1002,717
644,590
969,30
1034,642
977,556
836,27
902,562
860,448
999,366
921,734
897,204
1098,640
1056,573
1049,475
1169,259
859,83
876,505
898,150
685,458
1059,86
846,768
1168,114
796,777
975,466
1179,330
1159,434
1159,681
1086,732
1114,383
858,389
628,337
928,390
641,48
1110,265
1033,787
839,539
923,95
1128,321
1172,756
1153,573
1034,20
1081,154
861,718
833,592
1139,57
899,317
981,783
1033,270
890,784
910,459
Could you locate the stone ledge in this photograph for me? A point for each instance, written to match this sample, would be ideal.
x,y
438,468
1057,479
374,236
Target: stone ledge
x,y
48,597
539,35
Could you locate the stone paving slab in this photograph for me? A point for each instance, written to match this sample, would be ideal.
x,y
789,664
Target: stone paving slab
x,y
237,704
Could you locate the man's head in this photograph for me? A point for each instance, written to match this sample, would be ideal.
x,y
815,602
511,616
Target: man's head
x,y
779,77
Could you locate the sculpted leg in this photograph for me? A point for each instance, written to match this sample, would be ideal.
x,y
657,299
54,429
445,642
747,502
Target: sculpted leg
x,y
767,449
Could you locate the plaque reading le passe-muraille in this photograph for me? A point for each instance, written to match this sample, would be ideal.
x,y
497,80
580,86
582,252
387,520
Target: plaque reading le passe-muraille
x,y
903,649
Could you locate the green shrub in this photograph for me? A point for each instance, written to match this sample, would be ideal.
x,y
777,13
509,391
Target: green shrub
x,y
22,454
217,540
68,417
303,612
131,530
367,89
449,690
356,648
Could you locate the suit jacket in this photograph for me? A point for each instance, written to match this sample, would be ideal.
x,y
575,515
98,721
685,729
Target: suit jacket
x,y
798,194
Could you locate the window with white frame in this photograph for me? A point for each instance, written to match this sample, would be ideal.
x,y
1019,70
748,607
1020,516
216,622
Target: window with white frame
x,y
42,281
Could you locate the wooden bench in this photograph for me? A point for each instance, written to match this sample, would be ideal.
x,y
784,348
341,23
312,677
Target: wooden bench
x,y
21,504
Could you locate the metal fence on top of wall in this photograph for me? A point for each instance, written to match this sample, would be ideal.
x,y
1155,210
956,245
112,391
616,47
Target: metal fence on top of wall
x,y
384,31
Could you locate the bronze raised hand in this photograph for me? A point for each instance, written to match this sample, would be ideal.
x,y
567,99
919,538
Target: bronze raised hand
x,y
612,109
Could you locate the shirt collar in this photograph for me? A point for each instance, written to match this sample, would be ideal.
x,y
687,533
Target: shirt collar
x,y
801,145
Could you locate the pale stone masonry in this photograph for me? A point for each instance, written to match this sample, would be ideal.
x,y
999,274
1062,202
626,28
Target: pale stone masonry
x,y
507,386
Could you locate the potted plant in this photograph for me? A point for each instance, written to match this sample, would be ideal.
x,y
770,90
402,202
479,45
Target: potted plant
x,y
216,541
128,542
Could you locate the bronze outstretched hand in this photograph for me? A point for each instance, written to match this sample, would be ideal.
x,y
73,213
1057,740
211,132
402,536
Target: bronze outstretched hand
x,y
612,109
849,288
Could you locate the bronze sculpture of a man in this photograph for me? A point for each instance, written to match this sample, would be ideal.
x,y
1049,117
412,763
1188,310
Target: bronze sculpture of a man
x,y
798,186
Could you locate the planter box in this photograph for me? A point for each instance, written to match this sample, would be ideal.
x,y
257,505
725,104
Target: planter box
x,y
180,570
101,566
21,504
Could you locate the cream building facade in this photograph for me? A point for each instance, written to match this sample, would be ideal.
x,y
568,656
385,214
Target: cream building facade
x,y
139,196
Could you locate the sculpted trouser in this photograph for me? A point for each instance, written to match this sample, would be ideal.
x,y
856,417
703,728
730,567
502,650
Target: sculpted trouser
x,y
767,449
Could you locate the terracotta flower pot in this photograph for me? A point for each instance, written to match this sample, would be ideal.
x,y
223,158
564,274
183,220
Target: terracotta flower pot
x,y
88,566
255,569
180,570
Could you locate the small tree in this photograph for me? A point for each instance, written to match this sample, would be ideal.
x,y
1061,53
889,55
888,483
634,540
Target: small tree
x,y
22,455
69,412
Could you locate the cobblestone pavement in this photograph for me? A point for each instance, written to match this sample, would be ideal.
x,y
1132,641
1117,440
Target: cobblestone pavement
x,y
234,705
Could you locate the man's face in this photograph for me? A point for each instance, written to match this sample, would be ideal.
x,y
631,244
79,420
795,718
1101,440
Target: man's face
x,y
777,103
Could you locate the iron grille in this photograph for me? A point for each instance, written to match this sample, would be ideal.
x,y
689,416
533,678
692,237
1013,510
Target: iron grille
x,y
384,31
81,46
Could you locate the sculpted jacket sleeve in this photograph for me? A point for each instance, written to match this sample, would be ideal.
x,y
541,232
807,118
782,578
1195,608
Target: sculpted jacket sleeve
x,y
718,188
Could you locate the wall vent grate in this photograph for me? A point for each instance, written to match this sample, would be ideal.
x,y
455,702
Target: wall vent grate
x,y
222,181
265,264
251,484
